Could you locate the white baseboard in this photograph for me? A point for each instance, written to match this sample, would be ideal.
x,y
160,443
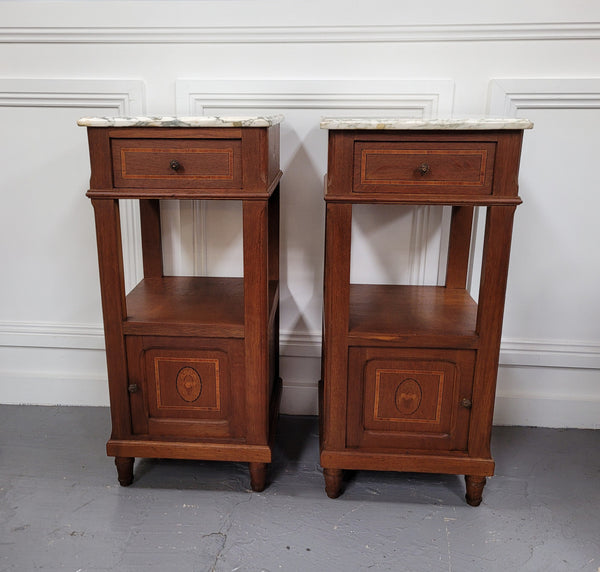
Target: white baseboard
x,y
39,388
298,399
547,412
540,383
578,410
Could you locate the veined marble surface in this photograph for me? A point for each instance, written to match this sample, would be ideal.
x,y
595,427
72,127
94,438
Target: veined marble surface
x,y
198,121
424,124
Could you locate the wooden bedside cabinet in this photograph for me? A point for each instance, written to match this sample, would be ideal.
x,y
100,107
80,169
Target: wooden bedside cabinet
x,y
192,361
409,372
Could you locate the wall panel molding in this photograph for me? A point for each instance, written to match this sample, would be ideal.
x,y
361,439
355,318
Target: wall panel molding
x,y
534,353
56,335
34,339
550,383
550,353
421,98
118,97
527,353
301,34
508,96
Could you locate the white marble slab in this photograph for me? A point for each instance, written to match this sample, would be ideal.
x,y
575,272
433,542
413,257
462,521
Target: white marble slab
x,y
199,121
424,124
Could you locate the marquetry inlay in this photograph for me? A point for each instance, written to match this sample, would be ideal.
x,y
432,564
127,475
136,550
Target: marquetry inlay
x,y
201,392
414,401
189,384
408,396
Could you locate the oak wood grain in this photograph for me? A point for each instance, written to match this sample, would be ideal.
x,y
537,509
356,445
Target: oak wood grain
x,y
112,287
188,305
151,238
409,372
336,317
459,244
192,361
171,449
398,312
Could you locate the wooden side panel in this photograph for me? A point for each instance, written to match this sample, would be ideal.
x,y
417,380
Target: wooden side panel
x,y
274,146
256,313
492,291
255,160
112,286
100,158
336,318
340,158
273,277
506,174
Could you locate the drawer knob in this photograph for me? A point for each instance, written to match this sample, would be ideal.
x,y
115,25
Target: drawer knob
x,y
424,169
466,403
175,165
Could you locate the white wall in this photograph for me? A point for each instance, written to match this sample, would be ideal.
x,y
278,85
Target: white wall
x,y
63,60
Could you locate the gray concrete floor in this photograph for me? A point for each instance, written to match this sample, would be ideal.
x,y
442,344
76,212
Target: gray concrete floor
x,y
62,509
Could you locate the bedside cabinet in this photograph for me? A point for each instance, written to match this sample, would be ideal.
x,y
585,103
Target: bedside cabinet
x,y
409,372
192,360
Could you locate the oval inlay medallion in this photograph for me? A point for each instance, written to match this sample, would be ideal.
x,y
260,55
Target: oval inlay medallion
x,y
189,384
408,396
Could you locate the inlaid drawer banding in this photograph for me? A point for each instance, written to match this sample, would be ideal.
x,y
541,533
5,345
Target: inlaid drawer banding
x,y
427,167
176,163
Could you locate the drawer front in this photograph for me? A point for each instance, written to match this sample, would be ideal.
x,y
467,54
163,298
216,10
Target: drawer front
x,y
177,163
409,399
186,392
423,167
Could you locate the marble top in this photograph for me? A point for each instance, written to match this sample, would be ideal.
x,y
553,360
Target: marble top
x,y
198,121
423,124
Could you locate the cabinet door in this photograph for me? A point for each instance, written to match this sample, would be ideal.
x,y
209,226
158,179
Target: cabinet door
x,y
409,399
186,388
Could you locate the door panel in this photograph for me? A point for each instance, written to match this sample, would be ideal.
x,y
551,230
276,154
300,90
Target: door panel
x,y
409,399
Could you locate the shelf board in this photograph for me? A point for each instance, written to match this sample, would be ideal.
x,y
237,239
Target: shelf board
x,y
186,306
413,316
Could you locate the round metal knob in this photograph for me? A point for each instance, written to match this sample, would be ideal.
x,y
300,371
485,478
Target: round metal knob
x,y
466,403
175,165
424,169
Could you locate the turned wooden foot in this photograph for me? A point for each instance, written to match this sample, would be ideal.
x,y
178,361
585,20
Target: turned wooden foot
x,y
333,482
475,486
258,476
124,470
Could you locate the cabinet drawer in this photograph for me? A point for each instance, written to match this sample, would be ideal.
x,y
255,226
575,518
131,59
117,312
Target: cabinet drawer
x,y
409,399
423,167
186,387
177,163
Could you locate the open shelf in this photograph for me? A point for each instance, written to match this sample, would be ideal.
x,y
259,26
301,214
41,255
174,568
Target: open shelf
x,y
412,316
190,306
187,306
